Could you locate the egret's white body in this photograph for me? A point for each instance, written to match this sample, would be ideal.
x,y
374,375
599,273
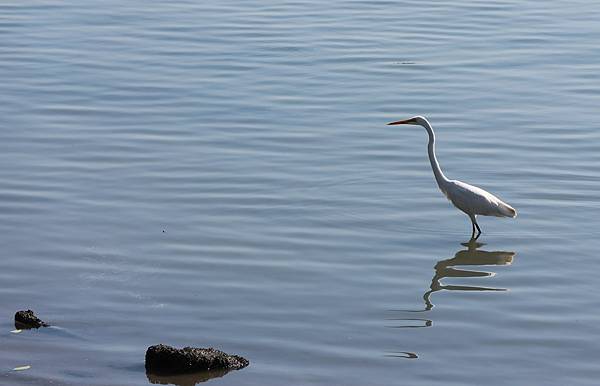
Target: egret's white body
x,y
470,199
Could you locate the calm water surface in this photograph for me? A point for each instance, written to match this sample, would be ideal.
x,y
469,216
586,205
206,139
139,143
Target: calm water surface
x,y
220,174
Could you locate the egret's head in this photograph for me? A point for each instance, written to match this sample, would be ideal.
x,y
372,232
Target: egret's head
x,y
418,120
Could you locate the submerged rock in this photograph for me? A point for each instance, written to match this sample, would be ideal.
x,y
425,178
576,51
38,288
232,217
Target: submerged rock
x,y
27,319
162,359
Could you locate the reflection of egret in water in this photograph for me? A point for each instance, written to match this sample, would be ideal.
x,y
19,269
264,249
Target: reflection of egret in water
x,y
447,269
402,354
467,257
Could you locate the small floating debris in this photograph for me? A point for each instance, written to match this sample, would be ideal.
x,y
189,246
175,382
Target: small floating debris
x,y
27,319
163,359
21,368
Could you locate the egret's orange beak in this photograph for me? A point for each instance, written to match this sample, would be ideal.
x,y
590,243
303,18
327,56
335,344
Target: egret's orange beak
x,y
403,122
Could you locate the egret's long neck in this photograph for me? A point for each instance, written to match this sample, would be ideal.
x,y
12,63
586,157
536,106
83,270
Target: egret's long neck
x,y
437,171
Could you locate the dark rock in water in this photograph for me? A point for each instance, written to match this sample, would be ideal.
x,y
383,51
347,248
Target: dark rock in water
x,y
27,319
162,359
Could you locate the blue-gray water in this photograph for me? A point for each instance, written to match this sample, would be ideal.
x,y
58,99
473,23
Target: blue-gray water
x,y
220,174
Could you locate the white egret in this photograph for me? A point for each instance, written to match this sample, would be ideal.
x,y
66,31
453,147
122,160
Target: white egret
x,y
473,201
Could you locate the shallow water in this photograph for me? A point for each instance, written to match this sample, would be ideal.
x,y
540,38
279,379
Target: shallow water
x,y
220,174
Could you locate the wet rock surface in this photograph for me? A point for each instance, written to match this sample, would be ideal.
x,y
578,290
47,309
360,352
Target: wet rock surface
x,y
27,319
163,359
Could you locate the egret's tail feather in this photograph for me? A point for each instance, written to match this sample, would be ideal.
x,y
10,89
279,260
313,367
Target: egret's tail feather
x,y
507,210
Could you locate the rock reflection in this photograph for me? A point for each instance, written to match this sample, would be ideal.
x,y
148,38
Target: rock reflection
x,y
185,379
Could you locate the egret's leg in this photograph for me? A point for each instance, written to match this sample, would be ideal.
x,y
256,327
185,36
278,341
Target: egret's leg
x,y
473,226
478,230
